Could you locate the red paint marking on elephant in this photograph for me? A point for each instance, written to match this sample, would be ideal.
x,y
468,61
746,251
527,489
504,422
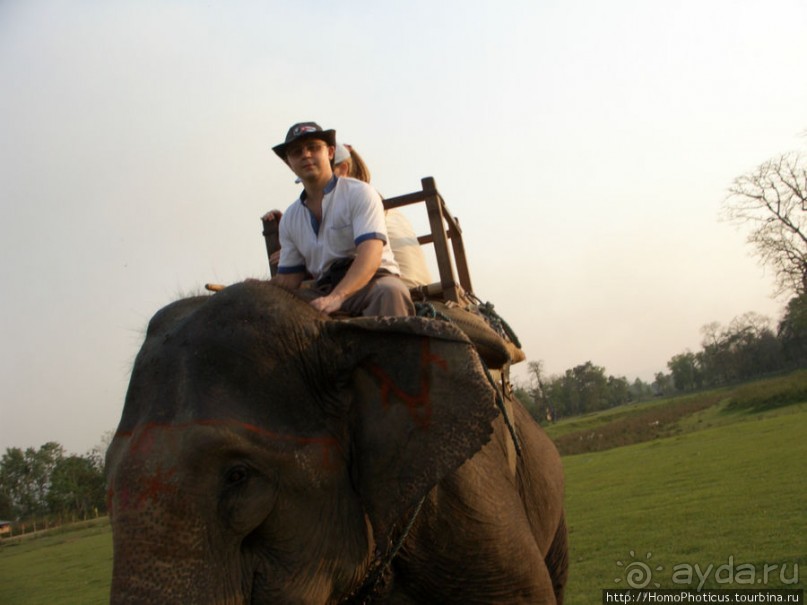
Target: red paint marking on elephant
x,y
419,404
142,442
143,437
150,489
156,485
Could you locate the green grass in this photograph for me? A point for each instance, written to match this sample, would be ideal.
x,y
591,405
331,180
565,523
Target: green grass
x,y
59,568
722,483
727,496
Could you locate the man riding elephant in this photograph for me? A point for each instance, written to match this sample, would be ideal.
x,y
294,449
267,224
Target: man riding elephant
x,y
336,232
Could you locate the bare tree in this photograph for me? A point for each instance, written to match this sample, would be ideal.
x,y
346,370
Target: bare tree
x,y
773,200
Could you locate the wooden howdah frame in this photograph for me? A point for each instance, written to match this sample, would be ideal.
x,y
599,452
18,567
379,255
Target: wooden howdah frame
x,y
452,264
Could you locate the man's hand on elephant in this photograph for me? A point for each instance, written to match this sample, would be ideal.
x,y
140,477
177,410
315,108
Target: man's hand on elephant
x,y
328,304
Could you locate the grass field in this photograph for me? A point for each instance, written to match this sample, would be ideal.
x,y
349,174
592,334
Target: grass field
x,y
711,492
59,568
732,496
715,495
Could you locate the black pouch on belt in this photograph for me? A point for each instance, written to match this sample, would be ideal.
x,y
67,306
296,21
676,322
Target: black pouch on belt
x,y
334,274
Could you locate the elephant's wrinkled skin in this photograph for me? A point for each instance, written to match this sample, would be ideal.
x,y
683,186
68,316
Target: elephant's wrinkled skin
x,y
266,453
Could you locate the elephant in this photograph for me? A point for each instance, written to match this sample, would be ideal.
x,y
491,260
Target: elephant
x,y
270,454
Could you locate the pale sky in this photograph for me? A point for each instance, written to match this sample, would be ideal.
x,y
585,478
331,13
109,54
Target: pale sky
x,y
586,147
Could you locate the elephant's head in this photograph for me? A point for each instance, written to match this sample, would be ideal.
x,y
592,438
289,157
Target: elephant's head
x,y
265,454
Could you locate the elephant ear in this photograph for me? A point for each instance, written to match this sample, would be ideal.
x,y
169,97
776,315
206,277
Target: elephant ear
x,y
422,406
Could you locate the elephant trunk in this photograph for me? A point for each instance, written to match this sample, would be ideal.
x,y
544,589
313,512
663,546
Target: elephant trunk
x,y
182,570
165,550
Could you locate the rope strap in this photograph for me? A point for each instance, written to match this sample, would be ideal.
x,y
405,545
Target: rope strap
x,y
496,321
503,410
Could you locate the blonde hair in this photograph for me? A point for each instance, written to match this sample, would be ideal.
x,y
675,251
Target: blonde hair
x,y
357,169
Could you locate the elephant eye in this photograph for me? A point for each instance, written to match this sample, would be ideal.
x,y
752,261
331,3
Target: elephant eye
x,y
236,475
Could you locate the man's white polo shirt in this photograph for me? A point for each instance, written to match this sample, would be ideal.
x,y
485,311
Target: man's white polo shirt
x,y
352,212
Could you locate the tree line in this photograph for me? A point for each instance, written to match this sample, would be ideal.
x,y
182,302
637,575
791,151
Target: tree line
x,y
747,348
45,486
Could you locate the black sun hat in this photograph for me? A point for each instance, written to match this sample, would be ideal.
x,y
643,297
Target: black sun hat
x,y
305,130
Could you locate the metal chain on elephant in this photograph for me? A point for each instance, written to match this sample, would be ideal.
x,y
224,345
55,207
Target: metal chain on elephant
x,y
377,577
429,311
